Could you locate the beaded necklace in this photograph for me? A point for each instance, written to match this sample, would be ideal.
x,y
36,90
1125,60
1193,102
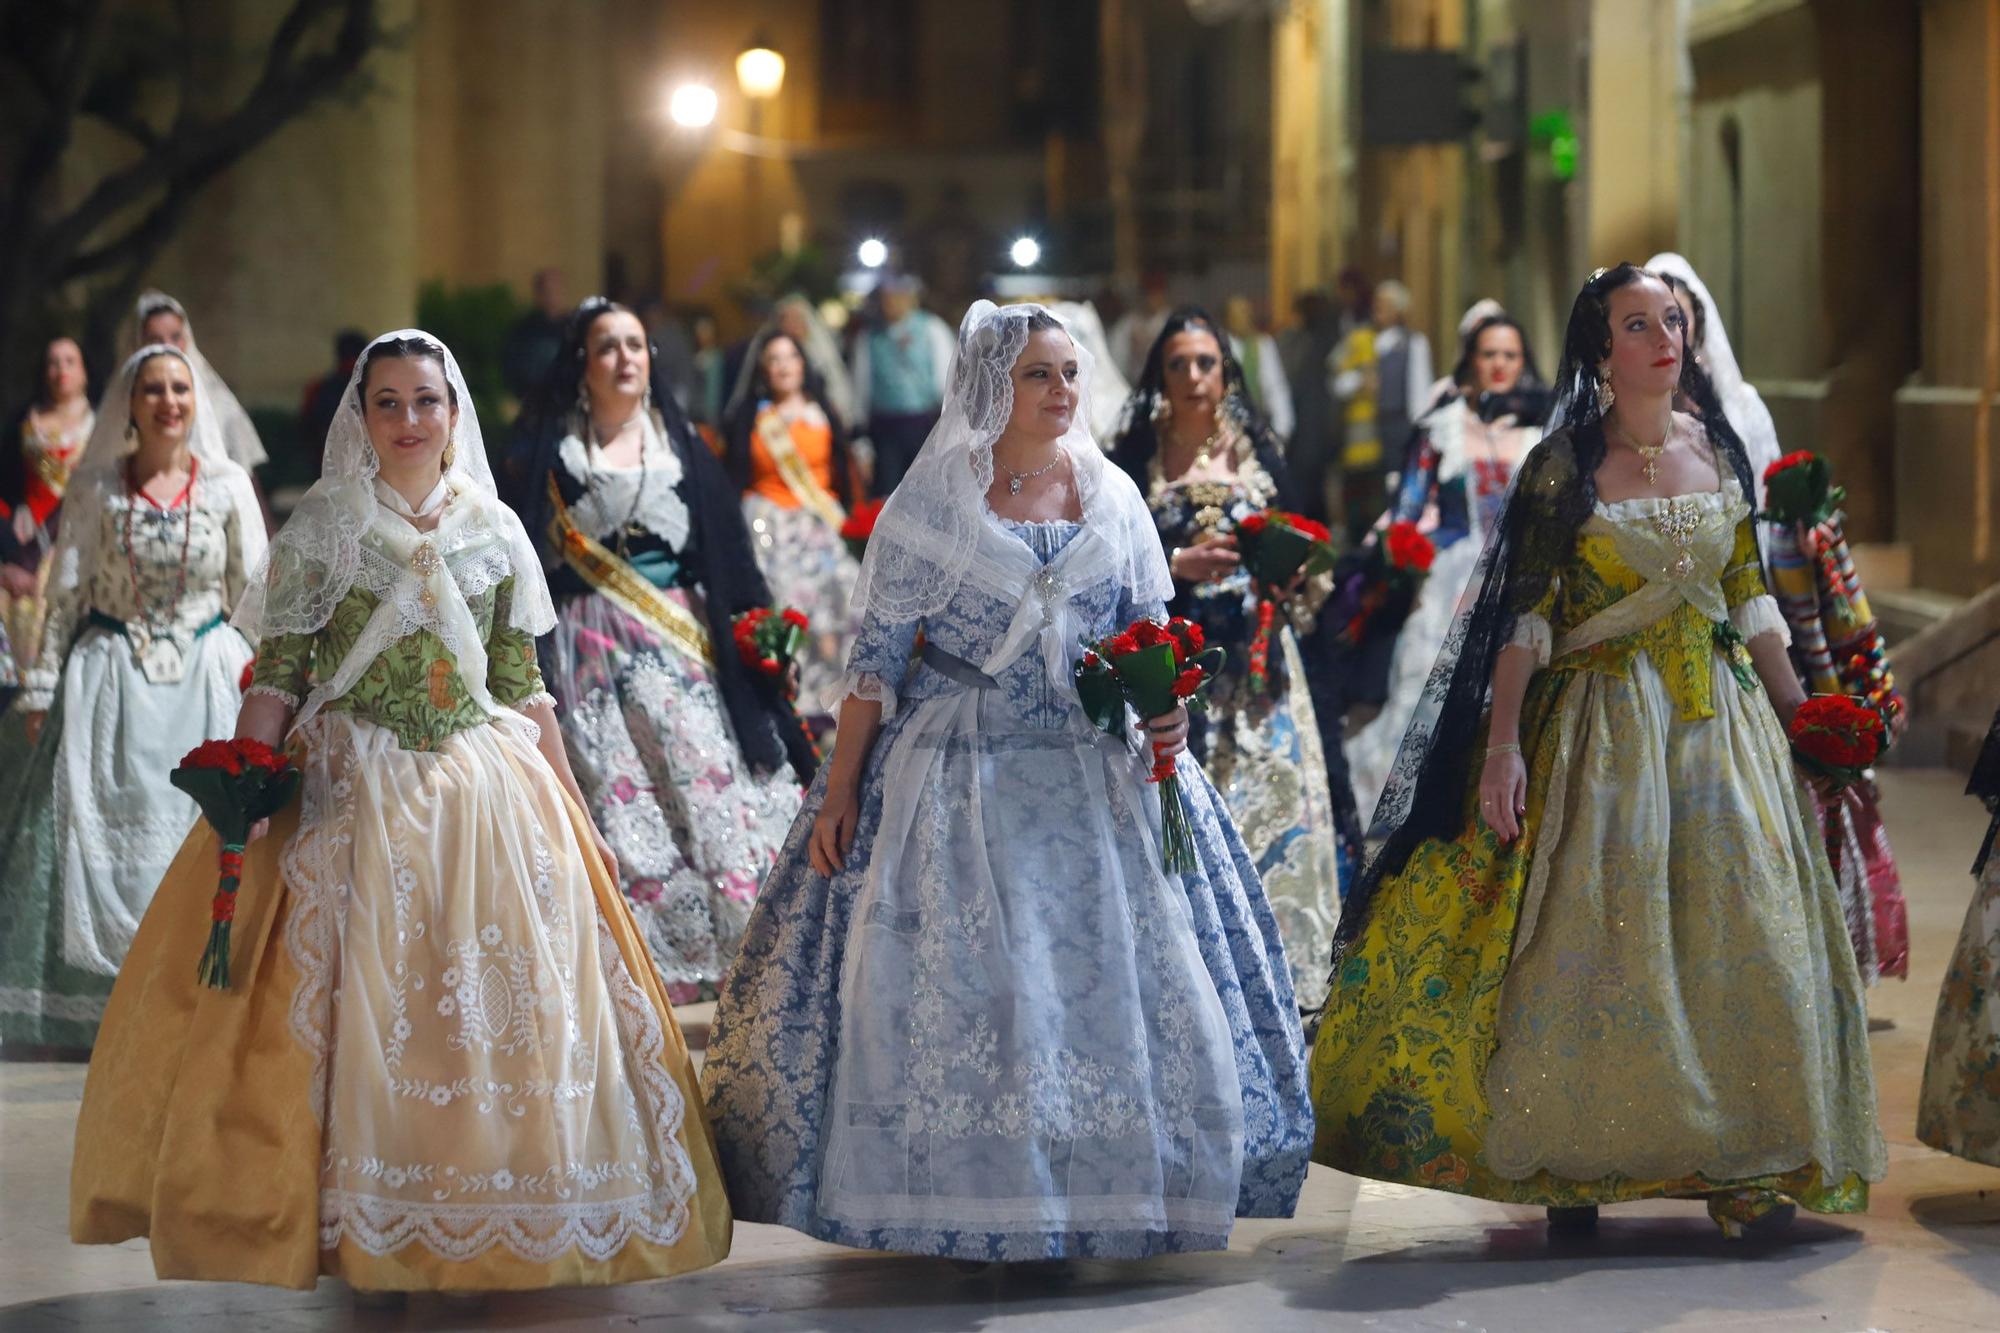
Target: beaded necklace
x,y
631,524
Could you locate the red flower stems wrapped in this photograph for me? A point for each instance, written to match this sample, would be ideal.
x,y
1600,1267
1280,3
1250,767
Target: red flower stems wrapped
x,y
860,526
1153,668
769,641
1276,547
1392,574
236,783
1837,737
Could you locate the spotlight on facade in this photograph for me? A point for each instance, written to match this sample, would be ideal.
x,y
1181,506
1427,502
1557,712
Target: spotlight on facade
x,y
760,70
872,253
1026,252
692,106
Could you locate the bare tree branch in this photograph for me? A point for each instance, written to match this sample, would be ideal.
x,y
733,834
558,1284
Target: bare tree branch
x,y
114,236
196,152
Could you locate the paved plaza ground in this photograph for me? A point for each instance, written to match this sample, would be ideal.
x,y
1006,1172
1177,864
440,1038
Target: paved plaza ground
x,y
1359,1255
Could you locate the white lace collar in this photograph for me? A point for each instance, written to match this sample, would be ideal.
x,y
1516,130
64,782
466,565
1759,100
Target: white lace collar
x,y
393,498
647,495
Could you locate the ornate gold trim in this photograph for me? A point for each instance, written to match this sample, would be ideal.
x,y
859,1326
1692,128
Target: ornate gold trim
x,y
629,591
798,478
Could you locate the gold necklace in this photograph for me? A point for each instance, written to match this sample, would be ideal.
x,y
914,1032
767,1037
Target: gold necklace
x,y
1650,452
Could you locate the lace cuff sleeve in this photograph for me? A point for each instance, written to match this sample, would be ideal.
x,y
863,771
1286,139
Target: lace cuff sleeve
x,y
879,661
1758,616
871,687
1531,631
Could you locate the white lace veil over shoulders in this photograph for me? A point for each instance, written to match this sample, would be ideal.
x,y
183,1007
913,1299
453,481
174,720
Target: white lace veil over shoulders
x,y
342,536
1741,402
927,538
99,473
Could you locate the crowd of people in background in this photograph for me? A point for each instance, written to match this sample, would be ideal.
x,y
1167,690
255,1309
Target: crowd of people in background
x,y
822,849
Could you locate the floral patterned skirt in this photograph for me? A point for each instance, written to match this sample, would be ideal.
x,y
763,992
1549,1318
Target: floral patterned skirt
x,y
1649,994
1264,757
1959,1110
808,567
995,1036
446,1061
693,827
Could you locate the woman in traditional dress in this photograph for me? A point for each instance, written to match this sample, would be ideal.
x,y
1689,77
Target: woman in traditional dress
x,y
1205,460
1959,1109
972,1016
1629,978
795,317
786,451
1461,459
52,432
690,765
447,1062
162,319
1827,611
137,665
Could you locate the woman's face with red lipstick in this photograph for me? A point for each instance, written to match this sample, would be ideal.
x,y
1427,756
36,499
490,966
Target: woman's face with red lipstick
x,y
1648,338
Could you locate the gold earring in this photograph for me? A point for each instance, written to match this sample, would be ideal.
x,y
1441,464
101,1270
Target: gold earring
x,y
450,453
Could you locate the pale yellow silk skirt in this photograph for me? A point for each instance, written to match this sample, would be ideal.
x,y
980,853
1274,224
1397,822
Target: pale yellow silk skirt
x,y
446,1061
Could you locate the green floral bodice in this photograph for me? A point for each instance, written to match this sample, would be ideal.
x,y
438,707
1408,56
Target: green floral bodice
x,y
413,688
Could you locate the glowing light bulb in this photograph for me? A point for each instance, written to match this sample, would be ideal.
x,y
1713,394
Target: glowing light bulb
x,y
692,106
1026,252
872,253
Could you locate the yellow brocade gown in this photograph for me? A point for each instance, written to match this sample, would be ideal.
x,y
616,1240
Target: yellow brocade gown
x,y
1651,992
446,1060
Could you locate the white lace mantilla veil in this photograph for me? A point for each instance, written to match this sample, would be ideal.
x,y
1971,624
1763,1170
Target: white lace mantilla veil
x,y
1109,389
927,539
99,475
232,424
342,536
1741,402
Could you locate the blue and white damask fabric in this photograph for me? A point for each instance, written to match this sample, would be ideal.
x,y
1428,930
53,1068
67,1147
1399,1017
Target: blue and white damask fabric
x,y
1001,1032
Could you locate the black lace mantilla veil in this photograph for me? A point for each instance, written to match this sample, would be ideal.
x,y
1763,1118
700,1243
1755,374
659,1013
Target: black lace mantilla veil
x,y
1553,492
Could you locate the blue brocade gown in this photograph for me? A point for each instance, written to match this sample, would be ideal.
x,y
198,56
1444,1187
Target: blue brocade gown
x,y
1001,1032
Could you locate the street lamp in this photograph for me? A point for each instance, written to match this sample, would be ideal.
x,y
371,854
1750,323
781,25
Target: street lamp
x,y
760,73
1026,252
692,106
760,70
872,253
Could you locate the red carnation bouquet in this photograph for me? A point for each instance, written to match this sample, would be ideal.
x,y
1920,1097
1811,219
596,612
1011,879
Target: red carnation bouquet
x,y
1837,737
1382,584
236,784
1152,667
1799,488
860,526
769,640
1276,548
